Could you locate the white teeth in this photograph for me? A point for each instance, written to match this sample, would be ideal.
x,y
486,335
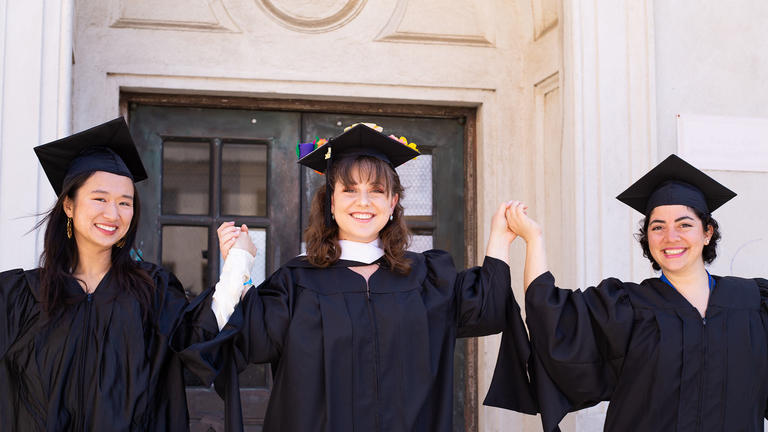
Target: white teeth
x,y
673,251
365,216
106,228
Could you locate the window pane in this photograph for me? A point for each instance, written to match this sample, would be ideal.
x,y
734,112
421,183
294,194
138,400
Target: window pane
x,y
244,179
185,177
416,178
421,243
258,272
183,249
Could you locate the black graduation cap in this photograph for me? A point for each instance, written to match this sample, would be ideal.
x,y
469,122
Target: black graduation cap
x,y
358,140
675,181
106,147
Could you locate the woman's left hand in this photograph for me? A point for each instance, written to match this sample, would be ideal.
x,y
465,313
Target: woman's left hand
x,y
244,242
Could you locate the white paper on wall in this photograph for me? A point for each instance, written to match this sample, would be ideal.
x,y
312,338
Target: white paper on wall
x,y
723,143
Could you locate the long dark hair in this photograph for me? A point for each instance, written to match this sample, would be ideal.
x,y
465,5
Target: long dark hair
x,y
323,241
708,254
60,257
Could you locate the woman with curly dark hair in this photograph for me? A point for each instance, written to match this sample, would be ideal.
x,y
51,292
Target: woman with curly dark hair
x,y
360,332
84,338
686,351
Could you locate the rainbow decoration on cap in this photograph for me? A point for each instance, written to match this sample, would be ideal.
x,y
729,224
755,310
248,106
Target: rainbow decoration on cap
x,y
303,149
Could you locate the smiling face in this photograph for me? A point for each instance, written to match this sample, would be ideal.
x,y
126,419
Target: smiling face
x,y
676,238
101,210
362,207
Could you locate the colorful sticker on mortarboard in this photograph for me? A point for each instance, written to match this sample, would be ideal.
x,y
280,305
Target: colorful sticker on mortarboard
x,y
404,140
373,126
380,129
303,149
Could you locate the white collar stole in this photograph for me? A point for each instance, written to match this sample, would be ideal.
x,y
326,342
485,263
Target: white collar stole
x,y
361,252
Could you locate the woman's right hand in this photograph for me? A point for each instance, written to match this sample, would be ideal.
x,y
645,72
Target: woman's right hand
x,y
519,222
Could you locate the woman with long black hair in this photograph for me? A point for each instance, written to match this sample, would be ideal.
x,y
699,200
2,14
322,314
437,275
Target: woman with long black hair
x,y
84,338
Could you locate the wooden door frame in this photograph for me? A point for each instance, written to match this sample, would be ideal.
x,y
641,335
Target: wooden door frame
x,y
466,114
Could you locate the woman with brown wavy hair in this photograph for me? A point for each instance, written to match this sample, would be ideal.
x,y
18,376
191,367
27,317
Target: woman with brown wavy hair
x,y
360,332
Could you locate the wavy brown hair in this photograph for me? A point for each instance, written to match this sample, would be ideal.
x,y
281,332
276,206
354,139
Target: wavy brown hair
x,y
323,241
60,257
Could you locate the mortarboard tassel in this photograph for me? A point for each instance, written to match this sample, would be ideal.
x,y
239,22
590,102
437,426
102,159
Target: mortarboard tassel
x,y
328,188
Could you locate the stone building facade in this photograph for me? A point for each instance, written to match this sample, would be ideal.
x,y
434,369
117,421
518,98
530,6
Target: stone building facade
x,y
558,103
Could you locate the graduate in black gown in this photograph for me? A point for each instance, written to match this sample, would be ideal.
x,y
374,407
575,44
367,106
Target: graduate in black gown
x,y
360,333
84,338
686,351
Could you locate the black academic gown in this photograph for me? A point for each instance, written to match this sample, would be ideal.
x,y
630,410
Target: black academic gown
x,y
94,366
351,356
648,351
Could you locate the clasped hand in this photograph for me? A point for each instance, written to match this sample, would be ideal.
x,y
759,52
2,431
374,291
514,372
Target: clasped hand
x,y
229,237
520,223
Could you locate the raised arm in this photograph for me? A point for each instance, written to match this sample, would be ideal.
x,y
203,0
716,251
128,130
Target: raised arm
x,y
235,278
579,337
535,251
486,303
501,235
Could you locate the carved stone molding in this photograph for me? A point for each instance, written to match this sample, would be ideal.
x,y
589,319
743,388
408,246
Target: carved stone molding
x,y
185,15
452,22
546,15
312,16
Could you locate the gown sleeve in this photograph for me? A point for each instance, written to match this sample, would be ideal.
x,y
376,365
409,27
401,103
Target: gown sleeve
x,y
17,308
263,318
762,285
16,304
254,333
197,341
486,305
481,293
579,340
169,305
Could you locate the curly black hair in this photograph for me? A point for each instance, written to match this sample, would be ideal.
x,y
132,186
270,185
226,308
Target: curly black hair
x,y
708,254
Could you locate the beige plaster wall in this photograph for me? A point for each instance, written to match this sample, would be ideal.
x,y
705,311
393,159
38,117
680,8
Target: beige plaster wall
x,y
711,64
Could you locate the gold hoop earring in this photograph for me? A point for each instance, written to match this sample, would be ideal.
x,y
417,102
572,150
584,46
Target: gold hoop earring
x,y
69,227
120,243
